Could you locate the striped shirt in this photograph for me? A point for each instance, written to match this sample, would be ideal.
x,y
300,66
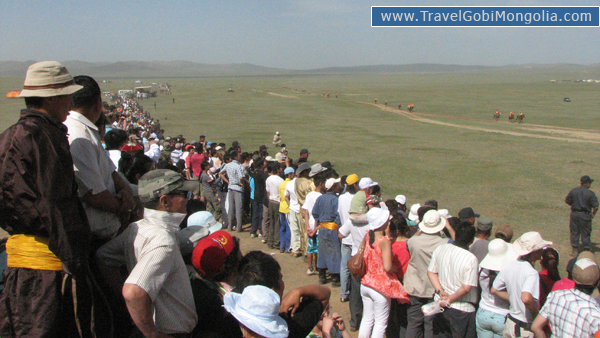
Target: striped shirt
x,y
571,313
150,250
456,267
235,173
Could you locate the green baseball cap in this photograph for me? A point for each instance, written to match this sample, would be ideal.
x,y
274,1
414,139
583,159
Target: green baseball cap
x,y
159,182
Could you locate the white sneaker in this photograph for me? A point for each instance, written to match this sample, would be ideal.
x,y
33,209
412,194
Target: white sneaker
x,y
311,272
252,235
259,235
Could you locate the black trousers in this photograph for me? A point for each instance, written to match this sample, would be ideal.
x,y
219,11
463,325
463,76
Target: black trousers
x,y
356,305
581,226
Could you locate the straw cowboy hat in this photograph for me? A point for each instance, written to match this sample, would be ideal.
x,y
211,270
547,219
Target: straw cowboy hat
x,y
48,79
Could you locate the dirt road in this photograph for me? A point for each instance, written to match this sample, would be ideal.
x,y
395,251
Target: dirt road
x,y
522,130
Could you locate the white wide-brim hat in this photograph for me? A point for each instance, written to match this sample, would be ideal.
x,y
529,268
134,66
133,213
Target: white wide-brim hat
x,y
530,242
257,307
377,217
48,79
432,222
499,254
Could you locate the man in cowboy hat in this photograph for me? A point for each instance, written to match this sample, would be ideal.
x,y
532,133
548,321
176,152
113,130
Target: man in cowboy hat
x,y
519,284
41,210
416,282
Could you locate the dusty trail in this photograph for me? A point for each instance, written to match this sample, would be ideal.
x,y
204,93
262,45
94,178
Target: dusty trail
x,y
561,133
281,95
522,130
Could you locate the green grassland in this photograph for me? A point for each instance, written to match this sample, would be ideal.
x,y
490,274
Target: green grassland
x,y
520,180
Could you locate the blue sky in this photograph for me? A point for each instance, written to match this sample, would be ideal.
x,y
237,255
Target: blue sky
x,y
283,34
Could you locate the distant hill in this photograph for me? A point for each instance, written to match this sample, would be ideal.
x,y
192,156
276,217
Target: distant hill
x,y
413,67
143,69
165,69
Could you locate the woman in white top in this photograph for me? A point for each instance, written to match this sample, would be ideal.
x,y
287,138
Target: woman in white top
x,y
493,310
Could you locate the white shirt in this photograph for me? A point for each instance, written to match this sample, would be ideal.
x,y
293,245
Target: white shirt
x,y
153,152
344,211
488,301
309,203
290,191
357,233
150,250
456,267
518,277
272,185
115,156
93,171
184,155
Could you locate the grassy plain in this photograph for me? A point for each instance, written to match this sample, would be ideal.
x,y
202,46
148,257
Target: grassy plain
x,y
462,159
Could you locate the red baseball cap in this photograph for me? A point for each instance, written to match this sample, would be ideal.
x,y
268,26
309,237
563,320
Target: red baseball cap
x,y
210,253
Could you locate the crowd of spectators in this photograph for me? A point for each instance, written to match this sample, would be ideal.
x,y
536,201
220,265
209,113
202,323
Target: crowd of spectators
x,y
127,232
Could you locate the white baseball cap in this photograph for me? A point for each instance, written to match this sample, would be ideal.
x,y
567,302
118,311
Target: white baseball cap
x,y
413,215
330,182
401,199
366,182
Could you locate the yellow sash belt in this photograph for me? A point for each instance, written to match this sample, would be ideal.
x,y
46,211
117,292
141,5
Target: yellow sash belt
x,y
329,225
31,252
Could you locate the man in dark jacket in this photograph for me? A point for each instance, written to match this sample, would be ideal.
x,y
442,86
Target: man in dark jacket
x,y
49,240
584,205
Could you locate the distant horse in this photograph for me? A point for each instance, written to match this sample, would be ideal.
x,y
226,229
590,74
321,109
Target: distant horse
x,y
411,107
511,117
520,117
497,115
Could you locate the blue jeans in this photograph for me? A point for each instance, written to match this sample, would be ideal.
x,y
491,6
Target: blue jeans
x,y
257,210
489,324
284,233
344,272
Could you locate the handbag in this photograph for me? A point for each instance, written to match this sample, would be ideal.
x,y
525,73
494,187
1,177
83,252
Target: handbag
x,y
356,263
